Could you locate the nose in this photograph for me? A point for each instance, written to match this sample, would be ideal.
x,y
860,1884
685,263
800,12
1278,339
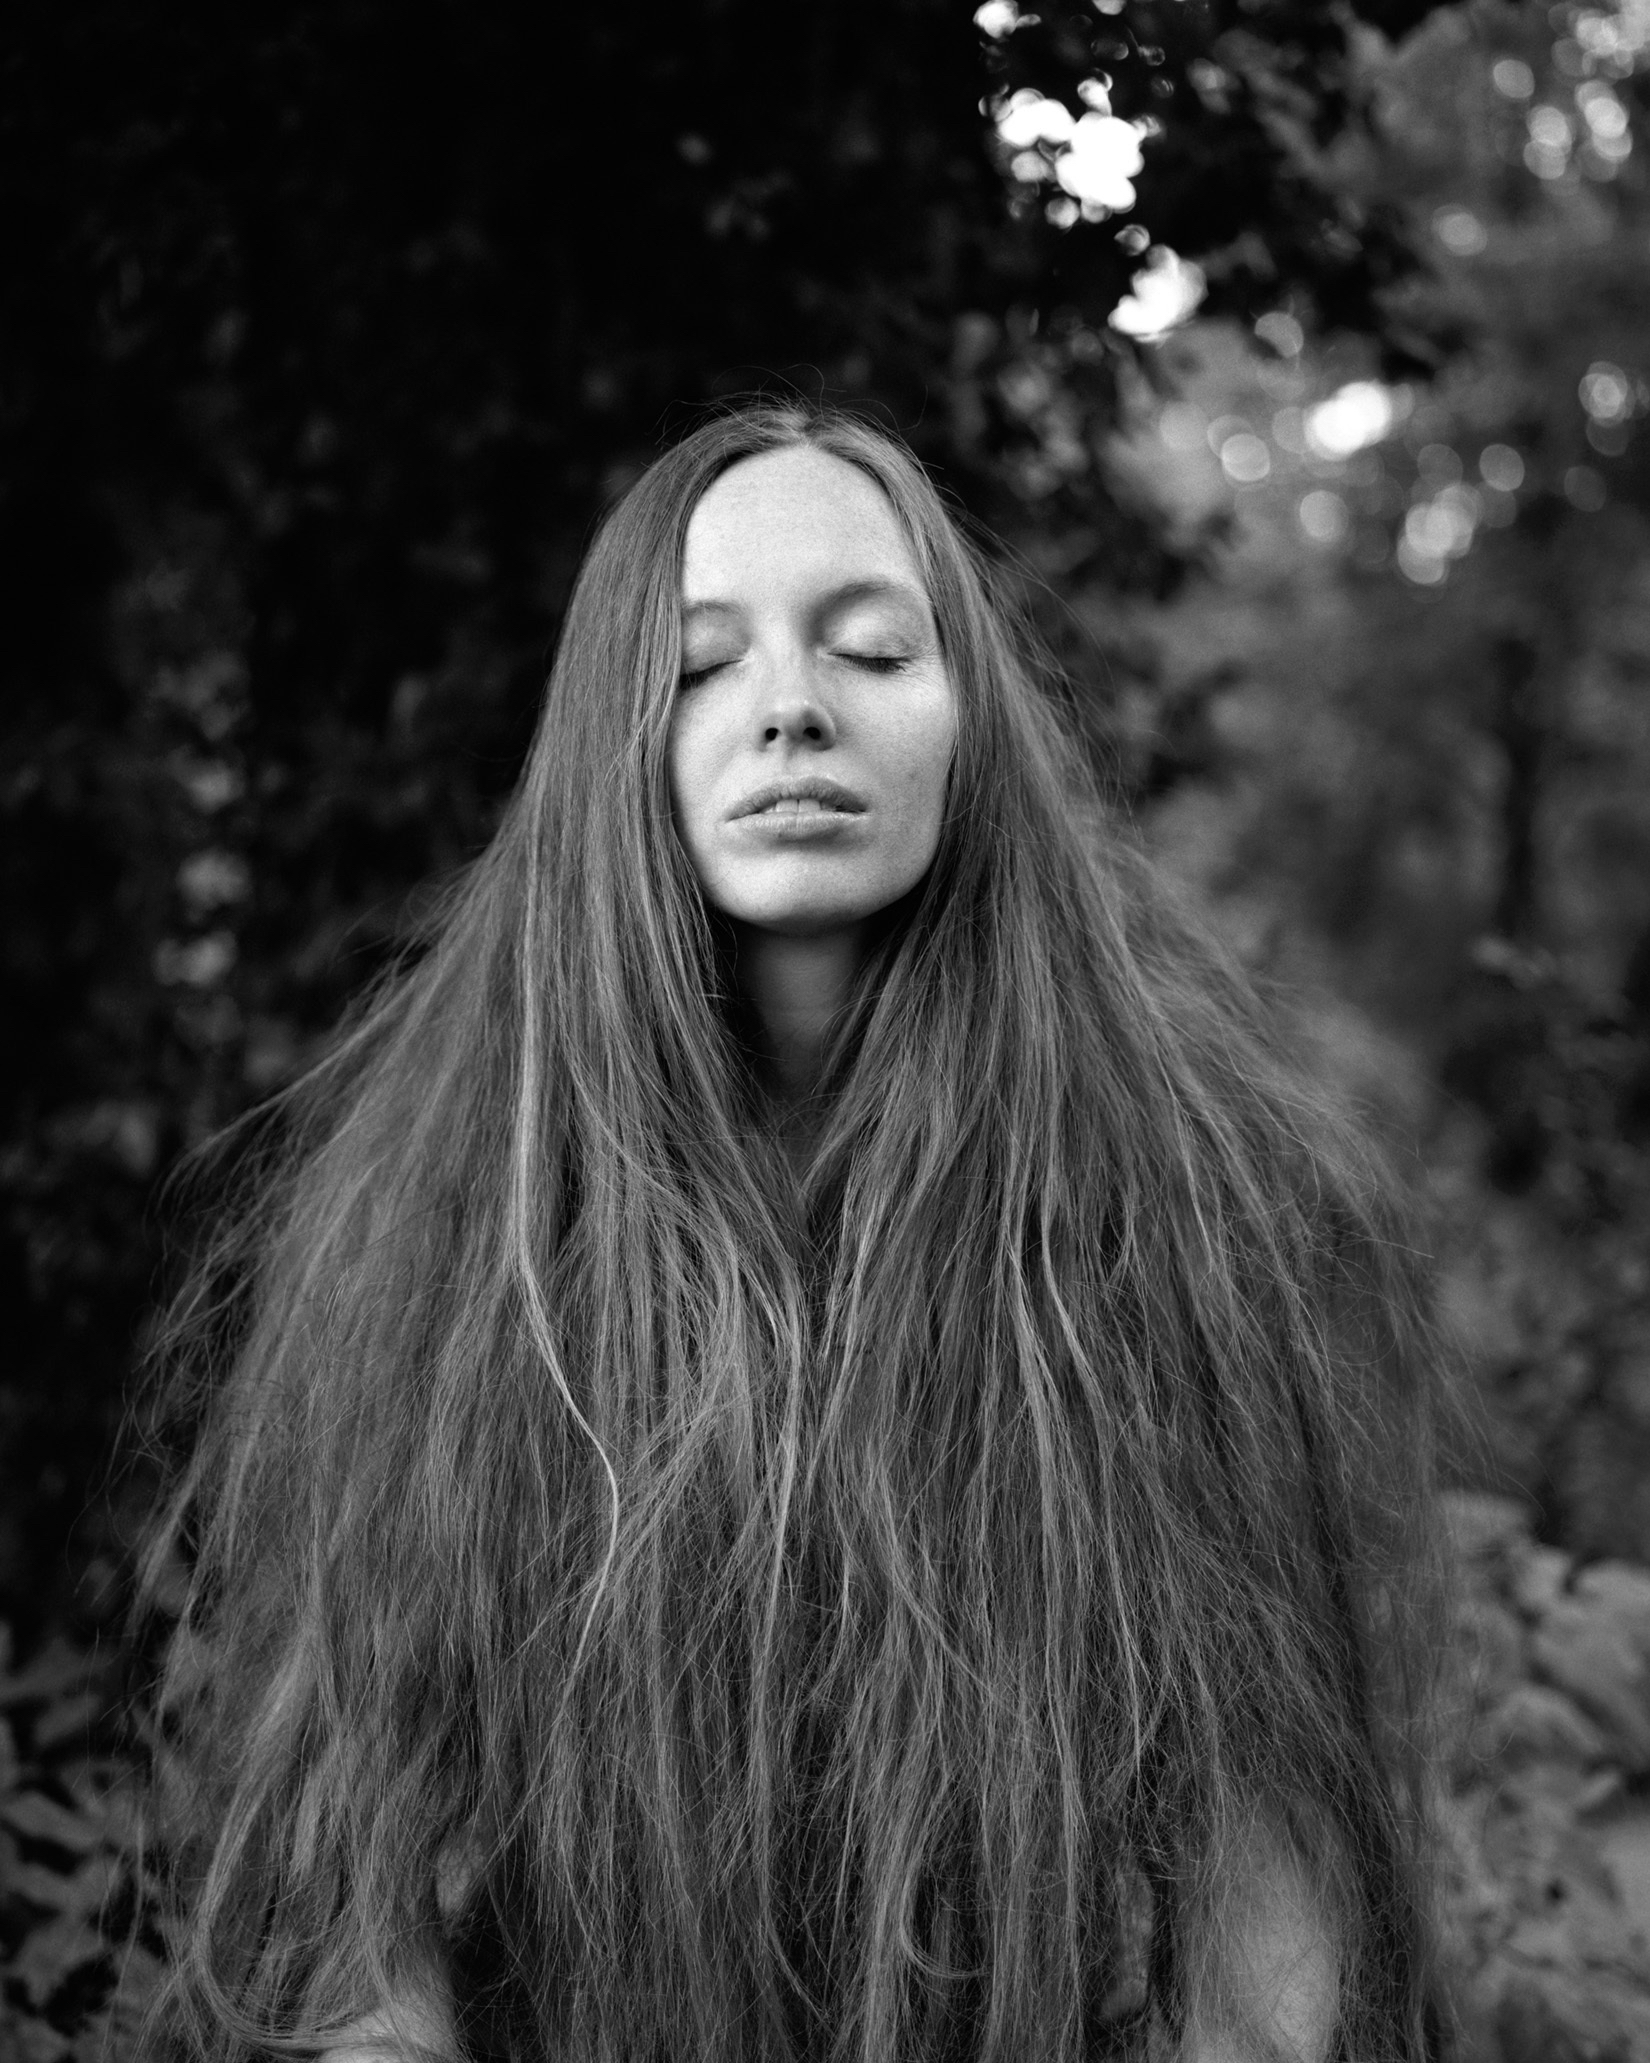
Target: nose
x,y
790,713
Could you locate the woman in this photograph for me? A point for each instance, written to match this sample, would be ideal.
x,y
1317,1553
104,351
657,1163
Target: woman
x,y
813,1447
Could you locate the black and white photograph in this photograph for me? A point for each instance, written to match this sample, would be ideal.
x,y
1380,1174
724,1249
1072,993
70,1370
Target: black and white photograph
x,y
825,1013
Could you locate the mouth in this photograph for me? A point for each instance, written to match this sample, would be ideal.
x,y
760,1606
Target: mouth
x,y
809,796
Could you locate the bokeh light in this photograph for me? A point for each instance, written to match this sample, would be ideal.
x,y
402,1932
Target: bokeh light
x,y
1324,516
1356,415
1029,117
1282,332
1606,392
1548,151
1459,231
1100,163
1093,157
1165,290
997,18
1245,459
1613,41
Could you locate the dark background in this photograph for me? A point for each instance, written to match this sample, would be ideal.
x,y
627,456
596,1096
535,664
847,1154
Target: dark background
x,y
326,331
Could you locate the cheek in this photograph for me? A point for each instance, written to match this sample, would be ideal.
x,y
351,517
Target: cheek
x,y
924,750
690,759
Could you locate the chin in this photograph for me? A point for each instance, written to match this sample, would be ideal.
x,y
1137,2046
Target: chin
x,y
805,909
805,922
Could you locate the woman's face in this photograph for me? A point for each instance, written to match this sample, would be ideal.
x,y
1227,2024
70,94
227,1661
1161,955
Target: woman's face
x,y
813,729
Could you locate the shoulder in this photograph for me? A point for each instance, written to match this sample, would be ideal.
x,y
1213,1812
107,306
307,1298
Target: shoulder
x,y
1276,1995
404,2030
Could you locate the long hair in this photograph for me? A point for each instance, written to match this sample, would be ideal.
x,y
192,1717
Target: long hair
x,y
860,1615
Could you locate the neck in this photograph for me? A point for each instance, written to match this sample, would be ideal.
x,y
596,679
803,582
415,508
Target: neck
x,y
797,988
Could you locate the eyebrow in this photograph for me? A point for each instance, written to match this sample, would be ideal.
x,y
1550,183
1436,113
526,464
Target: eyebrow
x,y
868,590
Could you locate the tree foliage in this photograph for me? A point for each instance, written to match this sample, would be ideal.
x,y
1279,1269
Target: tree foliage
x,y
1423,762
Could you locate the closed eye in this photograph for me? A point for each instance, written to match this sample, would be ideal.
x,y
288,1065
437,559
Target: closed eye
x,y
874,662
868,662
691,676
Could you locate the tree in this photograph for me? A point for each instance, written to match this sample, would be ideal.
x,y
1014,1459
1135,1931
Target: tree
x,y
1426,763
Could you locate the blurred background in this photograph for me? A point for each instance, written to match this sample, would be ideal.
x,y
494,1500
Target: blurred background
x,y
1297,354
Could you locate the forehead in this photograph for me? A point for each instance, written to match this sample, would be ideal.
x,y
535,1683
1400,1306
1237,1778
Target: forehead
x,y
797,517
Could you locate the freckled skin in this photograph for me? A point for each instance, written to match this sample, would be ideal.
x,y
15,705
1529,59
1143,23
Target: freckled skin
x,y
809,647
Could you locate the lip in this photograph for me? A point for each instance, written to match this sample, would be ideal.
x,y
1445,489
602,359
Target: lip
x,y
803,788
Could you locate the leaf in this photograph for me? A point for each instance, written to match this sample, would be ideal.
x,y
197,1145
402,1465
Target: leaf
x,y
67,1719
1536,1723
1590,1653
57,1670
35,2041
82,1891
1484,1527
1623,1591
39,1818
1626,1847
1540,1580
1551,2018
51,1954
118,1812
